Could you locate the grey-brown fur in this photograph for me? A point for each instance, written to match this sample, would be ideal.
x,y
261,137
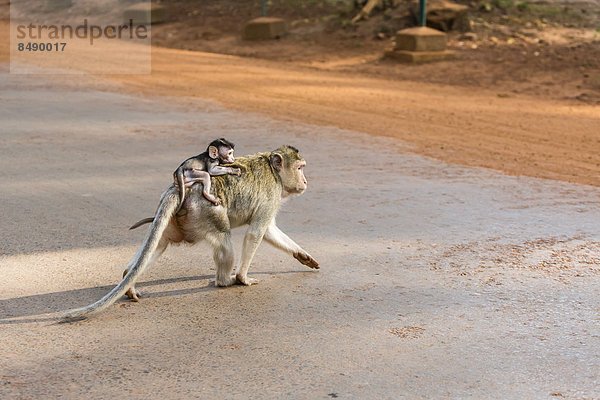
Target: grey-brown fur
x,y
252,200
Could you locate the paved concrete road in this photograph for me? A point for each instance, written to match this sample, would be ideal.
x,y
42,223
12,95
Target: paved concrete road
x,y
437,281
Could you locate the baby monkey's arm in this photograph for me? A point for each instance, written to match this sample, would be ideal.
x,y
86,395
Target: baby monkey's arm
x,y
221,170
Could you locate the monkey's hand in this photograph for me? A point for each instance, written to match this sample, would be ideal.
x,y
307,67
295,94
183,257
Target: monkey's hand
x,y
307,260
236,171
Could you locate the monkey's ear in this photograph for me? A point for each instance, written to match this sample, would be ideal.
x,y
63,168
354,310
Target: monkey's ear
x,y
213,152
276,161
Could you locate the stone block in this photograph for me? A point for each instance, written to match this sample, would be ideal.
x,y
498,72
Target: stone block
x,y
420,39
264,28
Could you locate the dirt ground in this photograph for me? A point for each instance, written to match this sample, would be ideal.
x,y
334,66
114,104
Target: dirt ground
x,y
522,97
437,281
551,49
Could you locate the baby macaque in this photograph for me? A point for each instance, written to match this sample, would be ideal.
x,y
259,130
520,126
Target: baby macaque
x,y
201,167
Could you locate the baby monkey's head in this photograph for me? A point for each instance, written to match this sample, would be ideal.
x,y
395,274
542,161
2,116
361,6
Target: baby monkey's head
x,y
221,149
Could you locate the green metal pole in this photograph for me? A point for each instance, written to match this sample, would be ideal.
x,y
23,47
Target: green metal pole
x,y
263,8
423,12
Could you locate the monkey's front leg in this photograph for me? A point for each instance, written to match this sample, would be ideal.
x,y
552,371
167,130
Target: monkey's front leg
x,y
280,240
252,239
221,170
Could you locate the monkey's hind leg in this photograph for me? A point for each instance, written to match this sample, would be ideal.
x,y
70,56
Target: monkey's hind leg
x,y
223,256
252,239
133,294
206,191
202,177
180,183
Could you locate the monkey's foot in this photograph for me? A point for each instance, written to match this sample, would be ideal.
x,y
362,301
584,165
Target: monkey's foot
x,y
133,294
215,200
307,260
244,280
225,281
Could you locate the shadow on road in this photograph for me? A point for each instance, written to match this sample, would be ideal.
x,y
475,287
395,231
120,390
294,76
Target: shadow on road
x,y
61,301
39,305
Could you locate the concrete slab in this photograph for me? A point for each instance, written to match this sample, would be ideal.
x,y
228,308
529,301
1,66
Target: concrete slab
x,y
417,57
264,28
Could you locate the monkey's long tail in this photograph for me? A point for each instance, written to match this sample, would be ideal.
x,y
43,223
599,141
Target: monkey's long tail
x,y
168,205
180,187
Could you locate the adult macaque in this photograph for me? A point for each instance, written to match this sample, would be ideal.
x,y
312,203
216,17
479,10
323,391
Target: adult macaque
x,y
252,200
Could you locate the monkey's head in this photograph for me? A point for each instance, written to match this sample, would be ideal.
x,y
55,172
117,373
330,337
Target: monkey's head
x,y
221,149
289,165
